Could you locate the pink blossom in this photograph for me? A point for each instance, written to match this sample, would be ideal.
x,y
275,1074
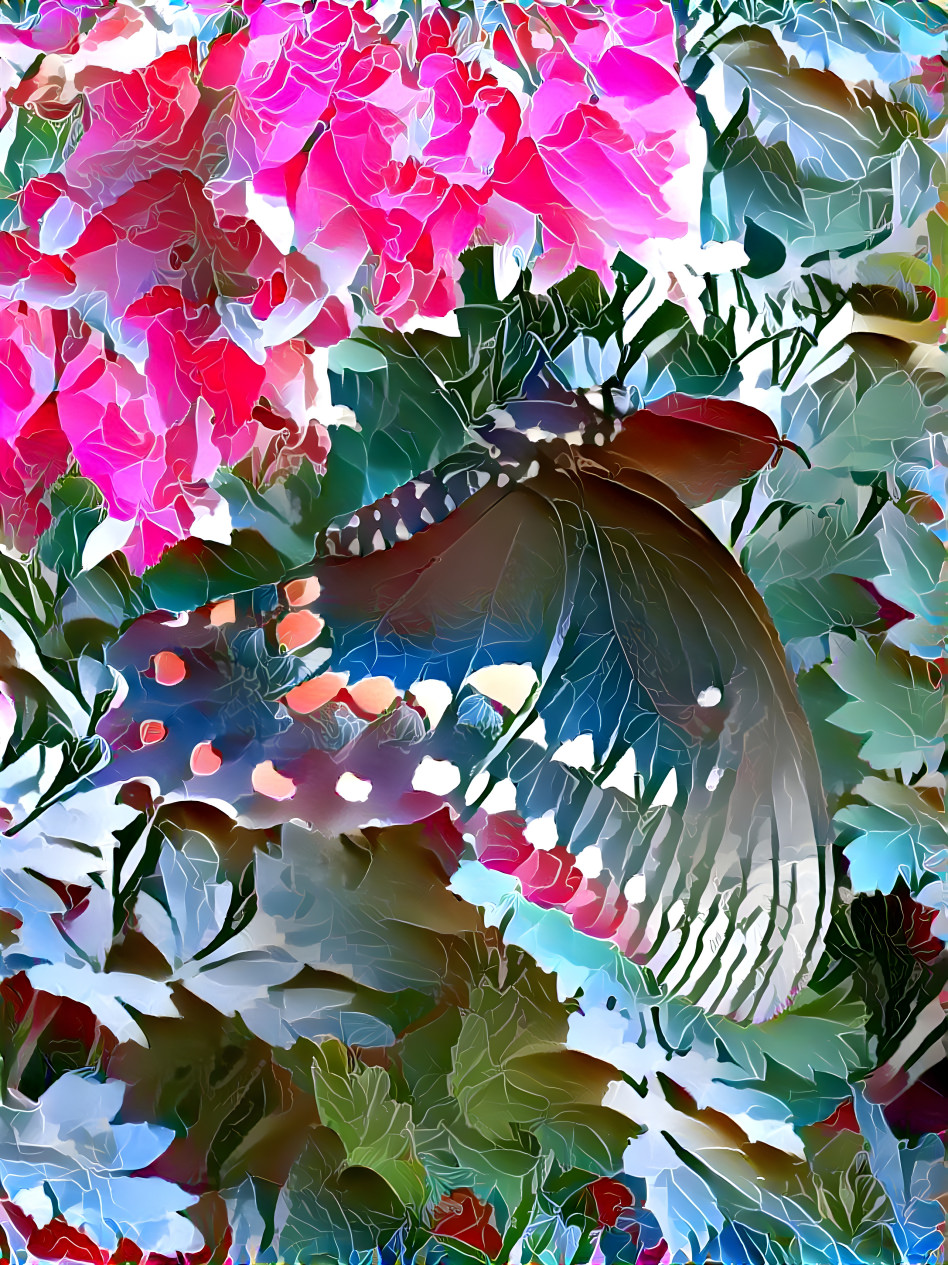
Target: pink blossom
x,y
414,156
55,28
36,347
153,440
291,64
137,124
219,206
550,878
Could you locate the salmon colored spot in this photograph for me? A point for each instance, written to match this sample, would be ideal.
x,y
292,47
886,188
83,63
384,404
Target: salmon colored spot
x,y
302,592
267,781
374,695
150,731
169,668
299,628
223,613
205,760
312,694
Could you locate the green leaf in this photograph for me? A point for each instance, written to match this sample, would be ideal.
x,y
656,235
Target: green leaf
x,y
491,1035
334,1209
81,757
915,558
869,411
375,1130
356,355
849,1197
407,422
590,1138
196,572
838,752
893,703
287,513
39,146
77,508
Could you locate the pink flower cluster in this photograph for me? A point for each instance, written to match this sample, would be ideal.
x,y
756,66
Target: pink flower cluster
x,y
555,128
169,275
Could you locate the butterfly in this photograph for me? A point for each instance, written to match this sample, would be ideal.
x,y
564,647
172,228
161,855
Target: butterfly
x,y
658,735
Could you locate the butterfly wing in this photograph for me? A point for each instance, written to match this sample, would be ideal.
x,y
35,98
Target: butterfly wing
x,y
645,637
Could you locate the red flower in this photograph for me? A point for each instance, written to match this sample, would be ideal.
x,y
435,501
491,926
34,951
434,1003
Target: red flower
x,y
501,845
612,1198
138,123
55,1241
462,1216
550,878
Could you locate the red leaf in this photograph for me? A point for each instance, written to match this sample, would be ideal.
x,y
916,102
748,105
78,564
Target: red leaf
x,y
699,448
549,878
843,1118
56,1241
501,845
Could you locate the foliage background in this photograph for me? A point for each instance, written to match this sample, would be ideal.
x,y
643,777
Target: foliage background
x,y
286,1039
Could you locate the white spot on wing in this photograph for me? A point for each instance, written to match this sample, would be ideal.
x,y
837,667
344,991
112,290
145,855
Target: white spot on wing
x,y
714,777
667,792
354,789
624,777
536,732
502,798
478,785
434,696
589,862
509,684
634,890
542,833
438,777
577,753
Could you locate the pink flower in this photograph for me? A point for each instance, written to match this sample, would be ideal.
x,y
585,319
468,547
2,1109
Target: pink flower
x,y
137,124
28,347
550,877
291,65
153,440
55,27
164,231
215,213
28,466
195,369
37,347
414,155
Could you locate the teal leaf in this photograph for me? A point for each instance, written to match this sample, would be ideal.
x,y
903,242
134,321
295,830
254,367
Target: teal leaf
x,y
898,833
894,705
